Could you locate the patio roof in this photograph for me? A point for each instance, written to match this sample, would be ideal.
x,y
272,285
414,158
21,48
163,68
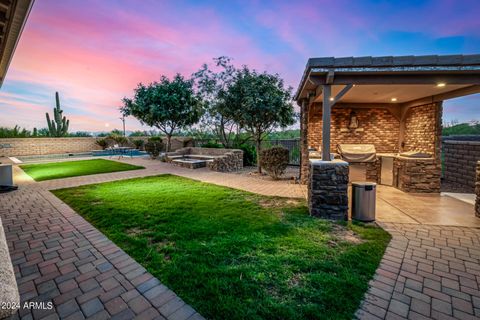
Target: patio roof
x,y
396,83
13,15
433,77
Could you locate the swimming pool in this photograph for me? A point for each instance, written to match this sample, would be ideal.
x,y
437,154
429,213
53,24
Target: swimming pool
x,y
96,153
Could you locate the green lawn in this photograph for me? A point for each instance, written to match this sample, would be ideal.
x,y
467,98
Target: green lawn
x,y
232,254
59,170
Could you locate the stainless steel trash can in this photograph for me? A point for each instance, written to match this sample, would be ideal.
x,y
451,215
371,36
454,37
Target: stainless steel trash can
x,y
6,175
363,201
6,178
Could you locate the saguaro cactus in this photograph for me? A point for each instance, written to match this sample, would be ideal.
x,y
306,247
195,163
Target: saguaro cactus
x,y
59,126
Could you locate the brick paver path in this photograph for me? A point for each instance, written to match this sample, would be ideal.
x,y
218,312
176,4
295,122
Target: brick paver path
x,y
61,258
427,272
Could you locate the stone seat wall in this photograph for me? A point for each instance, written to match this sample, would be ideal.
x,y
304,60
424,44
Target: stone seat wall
x,y
222,160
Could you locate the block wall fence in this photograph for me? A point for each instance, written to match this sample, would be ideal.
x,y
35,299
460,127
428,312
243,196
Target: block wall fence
x,y
460,163
11,147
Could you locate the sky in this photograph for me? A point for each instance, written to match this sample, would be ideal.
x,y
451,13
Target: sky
x,y
94,53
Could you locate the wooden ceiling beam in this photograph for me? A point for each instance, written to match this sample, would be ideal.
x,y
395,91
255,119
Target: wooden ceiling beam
x,y
5,4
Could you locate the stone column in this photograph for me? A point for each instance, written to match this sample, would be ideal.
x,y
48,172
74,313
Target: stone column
x,y
328,189
304,164
477,191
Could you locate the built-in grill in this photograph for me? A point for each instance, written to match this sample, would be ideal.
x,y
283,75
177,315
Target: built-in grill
x,y
357,152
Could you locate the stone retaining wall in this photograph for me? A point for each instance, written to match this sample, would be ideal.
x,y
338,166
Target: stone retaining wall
x,y
460,161
226,160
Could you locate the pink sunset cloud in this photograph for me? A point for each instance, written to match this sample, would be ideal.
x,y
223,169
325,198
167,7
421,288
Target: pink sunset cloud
x,y
96,52
98,61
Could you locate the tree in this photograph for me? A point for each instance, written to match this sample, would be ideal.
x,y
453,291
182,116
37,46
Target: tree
x,y
210,84
258,103
167,105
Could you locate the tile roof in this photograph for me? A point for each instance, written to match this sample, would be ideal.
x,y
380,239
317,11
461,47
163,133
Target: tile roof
x,y
395,61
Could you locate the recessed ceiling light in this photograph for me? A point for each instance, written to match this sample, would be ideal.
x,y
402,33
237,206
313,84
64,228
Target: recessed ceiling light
x,y
331,99
394,99
441,84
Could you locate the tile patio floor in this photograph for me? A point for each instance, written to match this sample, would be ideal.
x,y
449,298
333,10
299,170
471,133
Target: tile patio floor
x,y
430,270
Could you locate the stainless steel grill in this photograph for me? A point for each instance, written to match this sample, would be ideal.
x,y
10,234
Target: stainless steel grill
x,y
357,152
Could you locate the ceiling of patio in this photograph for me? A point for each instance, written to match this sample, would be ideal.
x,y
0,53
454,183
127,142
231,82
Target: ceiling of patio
x,y
13,15
389,93
391,79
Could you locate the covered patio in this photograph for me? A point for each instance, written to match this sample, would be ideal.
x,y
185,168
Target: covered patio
x,y
390,106
382,116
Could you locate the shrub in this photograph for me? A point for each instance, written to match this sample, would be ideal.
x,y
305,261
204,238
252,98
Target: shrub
x,y
274,161
154,147
212,144
249,154
155,138
117,139
138,143
15,132
80,134
103,143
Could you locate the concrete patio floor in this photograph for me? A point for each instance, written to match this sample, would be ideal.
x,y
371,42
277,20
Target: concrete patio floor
x,y
430,269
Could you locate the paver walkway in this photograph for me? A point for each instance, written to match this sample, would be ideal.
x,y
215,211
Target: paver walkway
x,y
428,271
61,258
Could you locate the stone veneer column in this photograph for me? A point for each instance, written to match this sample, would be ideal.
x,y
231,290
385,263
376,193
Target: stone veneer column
x,y
328,189
304,162
477,191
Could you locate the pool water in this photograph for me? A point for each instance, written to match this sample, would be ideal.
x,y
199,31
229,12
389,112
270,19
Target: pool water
x,y
99,153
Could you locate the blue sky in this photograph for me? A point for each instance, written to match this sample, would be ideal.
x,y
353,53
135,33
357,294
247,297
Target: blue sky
x,y
95,52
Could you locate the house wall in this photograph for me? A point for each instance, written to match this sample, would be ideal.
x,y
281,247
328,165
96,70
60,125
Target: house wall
x,y
375,126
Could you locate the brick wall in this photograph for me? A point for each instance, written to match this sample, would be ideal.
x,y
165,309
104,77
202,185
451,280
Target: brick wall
x,y
39,146
421,129
460,161
375,126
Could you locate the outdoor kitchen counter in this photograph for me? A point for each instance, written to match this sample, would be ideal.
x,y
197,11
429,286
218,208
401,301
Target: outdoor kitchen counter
x,y
400,157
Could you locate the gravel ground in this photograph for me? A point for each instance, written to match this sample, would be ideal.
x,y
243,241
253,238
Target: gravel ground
x,y
290,174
